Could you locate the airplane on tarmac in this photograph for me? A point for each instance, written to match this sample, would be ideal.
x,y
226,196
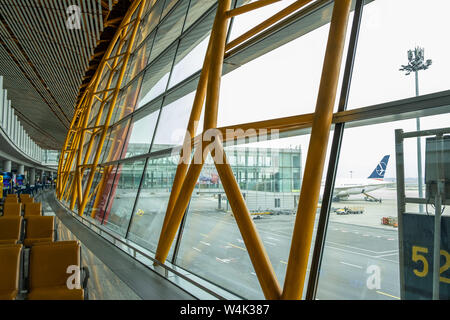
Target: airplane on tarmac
x,y
344,188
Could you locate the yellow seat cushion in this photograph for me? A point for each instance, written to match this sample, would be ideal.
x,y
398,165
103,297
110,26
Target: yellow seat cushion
x,y
10,228
9,271
33,209
11,199
8,241
56,293
39,229
12,209
48,267
27,200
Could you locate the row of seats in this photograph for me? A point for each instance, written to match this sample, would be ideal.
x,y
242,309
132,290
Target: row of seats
x,y
32,263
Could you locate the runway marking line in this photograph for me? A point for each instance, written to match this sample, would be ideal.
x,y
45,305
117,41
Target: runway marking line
x,y
284,262
197,249
205,243
351,265
387,294
237,247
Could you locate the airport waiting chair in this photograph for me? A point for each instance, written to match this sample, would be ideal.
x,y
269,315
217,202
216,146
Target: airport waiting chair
x,y
27,199
11,199
48,277
39,229
10,230
10,257
12,209
24,195
33,209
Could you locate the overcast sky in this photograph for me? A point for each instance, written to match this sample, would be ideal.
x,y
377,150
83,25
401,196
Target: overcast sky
x,y
285,81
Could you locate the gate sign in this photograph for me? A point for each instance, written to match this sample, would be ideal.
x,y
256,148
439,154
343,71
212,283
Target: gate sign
x,y
418,244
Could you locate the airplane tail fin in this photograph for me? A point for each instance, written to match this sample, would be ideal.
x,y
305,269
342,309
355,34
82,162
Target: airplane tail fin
x,y
380,170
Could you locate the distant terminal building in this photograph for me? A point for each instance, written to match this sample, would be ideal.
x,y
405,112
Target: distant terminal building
x,y
269,178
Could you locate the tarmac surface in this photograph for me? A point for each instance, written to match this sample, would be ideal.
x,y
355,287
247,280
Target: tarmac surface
x,y
360,259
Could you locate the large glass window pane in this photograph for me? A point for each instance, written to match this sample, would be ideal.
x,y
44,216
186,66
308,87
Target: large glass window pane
x,y
211,236
114,142
123,195
277,84
169,29
172,130
99,203
150,21
138,61
388,30
156,77
361,255
152,203
244,22
126,101
192,50
196,9
141,131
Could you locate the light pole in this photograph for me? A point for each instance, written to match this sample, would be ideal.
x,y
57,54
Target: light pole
x,y
416,62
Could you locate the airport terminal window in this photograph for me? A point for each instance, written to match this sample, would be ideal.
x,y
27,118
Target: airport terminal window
x,y
190,55
362,243
152,202
123,195
142,130
156,77
138,61
172,130
276,84
126,100
388,30
196,9
100,200
114,142
169,29
211,236
149,22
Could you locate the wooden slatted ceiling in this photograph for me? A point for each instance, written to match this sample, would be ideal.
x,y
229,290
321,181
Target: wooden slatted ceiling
x,y
44,62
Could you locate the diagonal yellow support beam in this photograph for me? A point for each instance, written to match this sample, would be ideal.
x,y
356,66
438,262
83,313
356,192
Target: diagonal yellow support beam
x,y
309,194
249,7
256,250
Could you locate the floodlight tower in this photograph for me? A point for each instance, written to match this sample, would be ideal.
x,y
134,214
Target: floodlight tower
x,y
416,62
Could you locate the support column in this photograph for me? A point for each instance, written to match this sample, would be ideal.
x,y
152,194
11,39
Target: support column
x,y
32,176
7,165
21,169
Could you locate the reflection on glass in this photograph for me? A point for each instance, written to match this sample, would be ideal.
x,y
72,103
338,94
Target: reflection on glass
x,y
152,203
149,21
138,61
123,195
191,51
156,77
126,101
141,132
101,197
277,84
169,29
196,9
399,26
269,176
172,130
114,142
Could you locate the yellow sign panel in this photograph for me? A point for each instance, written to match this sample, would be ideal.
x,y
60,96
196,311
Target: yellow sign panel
x,y
1,187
